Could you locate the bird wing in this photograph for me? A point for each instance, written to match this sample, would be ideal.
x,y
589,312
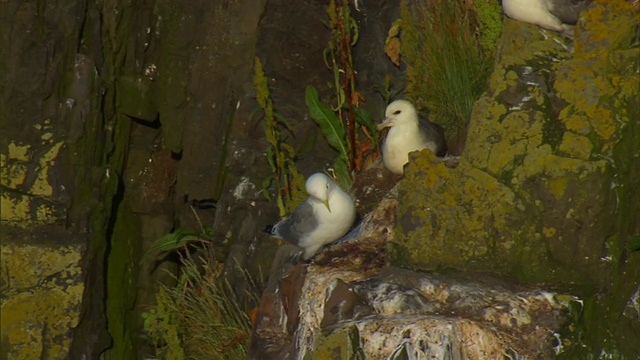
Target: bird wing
x,y
568,11
298,225
433,133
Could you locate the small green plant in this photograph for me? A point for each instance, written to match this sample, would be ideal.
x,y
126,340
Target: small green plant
x,y
348,129
200,318
448,47
179,239
281,156
161,326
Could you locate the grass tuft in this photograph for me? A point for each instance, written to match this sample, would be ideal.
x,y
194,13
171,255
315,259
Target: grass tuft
x,y
201,318
447,66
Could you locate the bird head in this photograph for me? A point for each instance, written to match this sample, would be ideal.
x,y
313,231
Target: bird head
x,y
399,112
319,186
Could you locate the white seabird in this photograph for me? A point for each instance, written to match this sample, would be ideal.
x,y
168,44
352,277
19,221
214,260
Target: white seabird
x,y
409,132
326,216
556,15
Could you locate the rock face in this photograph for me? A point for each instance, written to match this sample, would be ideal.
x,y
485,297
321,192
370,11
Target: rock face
x,y
56,184
348,303
115,122
551,149
120,122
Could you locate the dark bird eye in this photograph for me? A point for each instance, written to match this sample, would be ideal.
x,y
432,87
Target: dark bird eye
x,y
397,112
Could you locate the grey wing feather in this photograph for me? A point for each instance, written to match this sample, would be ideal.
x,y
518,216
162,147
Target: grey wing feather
x,y
568,11
301,222
434,133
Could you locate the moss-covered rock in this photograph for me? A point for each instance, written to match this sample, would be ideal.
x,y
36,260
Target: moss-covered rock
x,y
42,295
551,157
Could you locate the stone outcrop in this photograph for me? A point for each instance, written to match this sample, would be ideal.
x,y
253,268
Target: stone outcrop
x,y
551,154
349,303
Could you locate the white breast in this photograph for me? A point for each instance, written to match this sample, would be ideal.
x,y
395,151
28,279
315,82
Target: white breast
x,y
534,12
400,141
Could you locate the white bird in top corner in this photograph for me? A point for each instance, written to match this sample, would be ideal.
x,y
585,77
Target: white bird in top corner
x,y
326,216
557,15
409,132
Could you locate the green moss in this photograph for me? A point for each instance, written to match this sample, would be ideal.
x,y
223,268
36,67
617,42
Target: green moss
x,y
605,326
489,14
529,185
122,283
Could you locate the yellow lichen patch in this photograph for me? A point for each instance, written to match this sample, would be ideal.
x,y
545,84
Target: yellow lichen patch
x,y
548,231
46,137
45,214
627,85
479,140
543,162
557,186
578,123
609,24
502,83
41,318
533,164
518,138
576,146
466,207
572,82
24,266
434,170
41,185
15,210
603,121
19,152
13,174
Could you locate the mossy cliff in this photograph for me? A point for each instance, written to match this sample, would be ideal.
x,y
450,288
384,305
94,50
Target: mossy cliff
x,y
97,101
59,163
546,190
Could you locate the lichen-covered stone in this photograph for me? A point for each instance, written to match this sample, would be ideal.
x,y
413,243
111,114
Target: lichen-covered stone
x,y
348,305
550,161
533,180
42,291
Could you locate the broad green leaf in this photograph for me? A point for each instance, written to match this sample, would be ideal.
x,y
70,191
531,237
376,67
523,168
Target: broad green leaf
x,y
331,126
174,241
342,173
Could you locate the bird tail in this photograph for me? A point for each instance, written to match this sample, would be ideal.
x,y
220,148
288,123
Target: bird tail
x,y
270,229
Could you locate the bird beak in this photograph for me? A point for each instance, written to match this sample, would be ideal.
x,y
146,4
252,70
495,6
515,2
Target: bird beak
x,y
326,203
386,122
